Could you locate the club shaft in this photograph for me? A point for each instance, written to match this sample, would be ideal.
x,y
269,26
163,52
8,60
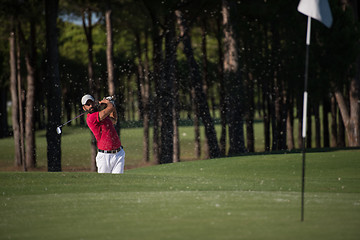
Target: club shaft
x,y
73,119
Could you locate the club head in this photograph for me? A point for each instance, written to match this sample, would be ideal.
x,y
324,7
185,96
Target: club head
x,y
58,130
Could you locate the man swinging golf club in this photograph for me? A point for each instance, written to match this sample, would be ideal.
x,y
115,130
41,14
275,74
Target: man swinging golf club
x,y
111,156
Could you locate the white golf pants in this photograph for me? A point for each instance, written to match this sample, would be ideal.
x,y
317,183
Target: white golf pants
x,y
110,162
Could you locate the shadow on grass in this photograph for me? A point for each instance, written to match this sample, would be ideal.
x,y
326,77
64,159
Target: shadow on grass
x,y
308,150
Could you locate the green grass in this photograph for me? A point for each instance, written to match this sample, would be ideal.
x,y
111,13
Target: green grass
x,y
75,146
250,197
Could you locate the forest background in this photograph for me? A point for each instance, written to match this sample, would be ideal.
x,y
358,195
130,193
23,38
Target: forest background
x,y
168,62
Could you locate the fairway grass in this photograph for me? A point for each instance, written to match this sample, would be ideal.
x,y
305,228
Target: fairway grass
x,y
250,197
76,152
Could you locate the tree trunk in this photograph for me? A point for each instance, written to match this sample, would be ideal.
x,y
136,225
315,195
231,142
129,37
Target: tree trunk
x,y
233,78
317,126
166,97
250,138
143,97
334,135
156,78
204,76
273,116
351,116
266,118
157,68
146,104
14,98
197,142
110,62
21,99
30,58
350,119
3,113
53,87
110,50
196,81
284,113
341,132
276,102
355,86
93,84
176,143
140,76
325,124
354,123
290,126
266,94
221,88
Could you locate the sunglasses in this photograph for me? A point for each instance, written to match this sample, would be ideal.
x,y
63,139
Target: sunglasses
x,y
89,103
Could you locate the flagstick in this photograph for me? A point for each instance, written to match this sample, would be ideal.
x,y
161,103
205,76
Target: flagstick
x,y
305,115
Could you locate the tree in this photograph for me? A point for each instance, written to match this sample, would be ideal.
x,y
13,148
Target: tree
x,y
248,43
196,81
4,127
30,60
53,87
93,82
338,64
110,54
157,60
233,78
110,49
144,92
14,96
166,91
204,71
222,92
350,116
252,61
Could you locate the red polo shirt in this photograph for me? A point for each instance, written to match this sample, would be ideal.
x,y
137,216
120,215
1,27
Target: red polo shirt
x,y
104,132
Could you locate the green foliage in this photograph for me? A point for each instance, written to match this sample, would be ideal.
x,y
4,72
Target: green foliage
x,y
72,42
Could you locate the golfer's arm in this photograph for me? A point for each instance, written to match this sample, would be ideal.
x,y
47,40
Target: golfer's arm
x,y
106,112
113,116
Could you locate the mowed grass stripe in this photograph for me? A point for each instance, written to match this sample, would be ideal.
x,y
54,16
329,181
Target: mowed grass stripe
x,y
182,215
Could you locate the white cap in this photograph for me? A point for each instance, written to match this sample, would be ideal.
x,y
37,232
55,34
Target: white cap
x,y
85,98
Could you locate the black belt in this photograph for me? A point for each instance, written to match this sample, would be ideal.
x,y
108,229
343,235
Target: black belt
x,y
111,151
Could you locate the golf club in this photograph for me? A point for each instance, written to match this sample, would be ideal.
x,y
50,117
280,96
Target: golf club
x,y
58,129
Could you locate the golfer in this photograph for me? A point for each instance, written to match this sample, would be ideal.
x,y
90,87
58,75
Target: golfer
x,y
111,156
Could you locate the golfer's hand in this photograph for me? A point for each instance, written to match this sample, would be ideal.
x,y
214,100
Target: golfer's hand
x,y
106,101
107,111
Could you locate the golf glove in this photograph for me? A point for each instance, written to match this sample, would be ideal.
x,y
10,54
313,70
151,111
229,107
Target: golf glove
x,y
111,99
